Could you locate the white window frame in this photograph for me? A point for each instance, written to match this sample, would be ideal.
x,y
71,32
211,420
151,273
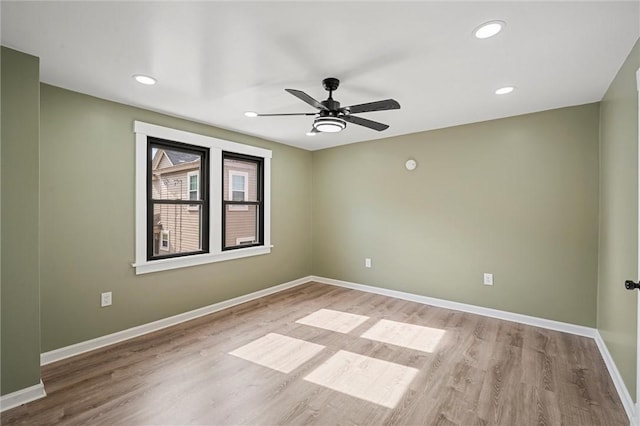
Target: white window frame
x,y
162,234
216,147
245,176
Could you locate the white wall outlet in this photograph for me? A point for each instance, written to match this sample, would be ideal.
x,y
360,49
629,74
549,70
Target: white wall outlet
x,y
367,262
105,299
488,279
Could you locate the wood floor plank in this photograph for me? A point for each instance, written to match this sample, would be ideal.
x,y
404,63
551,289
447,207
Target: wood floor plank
x,y
482,371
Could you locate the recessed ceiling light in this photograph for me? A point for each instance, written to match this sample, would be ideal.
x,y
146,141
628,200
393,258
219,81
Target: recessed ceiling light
x,y
504,90
488,29
251,114
145,79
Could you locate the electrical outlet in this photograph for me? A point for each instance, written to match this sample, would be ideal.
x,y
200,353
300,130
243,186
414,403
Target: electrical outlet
x,y
367,262
105,299
488,279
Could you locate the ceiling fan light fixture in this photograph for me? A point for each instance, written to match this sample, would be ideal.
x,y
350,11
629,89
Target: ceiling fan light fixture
x,y
488,29
329,124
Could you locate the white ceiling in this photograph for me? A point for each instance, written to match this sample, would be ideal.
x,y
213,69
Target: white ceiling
x,y
216,60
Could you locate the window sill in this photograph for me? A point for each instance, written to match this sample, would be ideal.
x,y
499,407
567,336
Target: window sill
x,y
198,259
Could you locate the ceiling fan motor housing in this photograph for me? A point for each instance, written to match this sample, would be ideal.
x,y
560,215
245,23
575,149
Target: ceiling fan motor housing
x,y
332,106
330,83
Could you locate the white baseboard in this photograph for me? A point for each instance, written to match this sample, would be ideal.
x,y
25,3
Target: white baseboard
x,y
109,339
17,398
623,392
487,312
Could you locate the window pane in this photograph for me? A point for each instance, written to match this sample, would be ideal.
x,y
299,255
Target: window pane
x,y
175,174
241,225
176,228
240,177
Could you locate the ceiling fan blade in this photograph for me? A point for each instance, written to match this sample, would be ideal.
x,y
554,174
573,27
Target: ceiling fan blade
x,y
287,113
374,106
364,122
306,98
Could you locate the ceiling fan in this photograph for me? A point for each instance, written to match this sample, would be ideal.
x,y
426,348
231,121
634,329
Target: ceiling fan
x,y
332,118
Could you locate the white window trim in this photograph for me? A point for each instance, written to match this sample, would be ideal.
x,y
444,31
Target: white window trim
x,y
216,147
245,175
162,234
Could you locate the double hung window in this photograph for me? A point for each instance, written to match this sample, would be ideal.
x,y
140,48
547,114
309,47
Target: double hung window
x,y
198,199
177,211
242,200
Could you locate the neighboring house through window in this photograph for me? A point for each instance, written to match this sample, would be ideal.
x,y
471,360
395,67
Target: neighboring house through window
x,y
185,214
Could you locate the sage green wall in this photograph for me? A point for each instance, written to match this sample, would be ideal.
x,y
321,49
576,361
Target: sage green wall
x,y
20,331
516,197
87,220
618,246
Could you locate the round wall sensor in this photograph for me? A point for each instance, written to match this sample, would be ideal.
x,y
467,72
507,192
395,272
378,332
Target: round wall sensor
x,y
410,164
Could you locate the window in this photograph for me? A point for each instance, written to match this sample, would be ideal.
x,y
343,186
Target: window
x,y
193,182
238,181
173,207
198,199
242,201
245,240
237,188
164,240
194,185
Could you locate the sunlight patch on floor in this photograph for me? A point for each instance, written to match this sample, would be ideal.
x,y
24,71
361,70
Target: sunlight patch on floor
x,y
341,322
371,379
410,336
281,353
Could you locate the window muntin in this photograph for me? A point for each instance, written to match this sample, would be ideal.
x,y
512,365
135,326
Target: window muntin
x,y
177,221
213,190
242,205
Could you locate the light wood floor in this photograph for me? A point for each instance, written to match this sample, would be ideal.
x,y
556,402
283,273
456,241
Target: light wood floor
x,y
480,371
